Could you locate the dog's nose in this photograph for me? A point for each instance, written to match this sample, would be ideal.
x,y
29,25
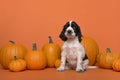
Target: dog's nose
x,y
69,31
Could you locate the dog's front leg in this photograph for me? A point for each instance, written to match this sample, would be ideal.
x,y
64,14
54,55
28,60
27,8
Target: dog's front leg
x,y
63,61
79,67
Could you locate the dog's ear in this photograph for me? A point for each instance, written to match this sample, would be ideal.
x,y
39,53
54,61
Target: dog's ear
x,y
62,34
79,34
78,31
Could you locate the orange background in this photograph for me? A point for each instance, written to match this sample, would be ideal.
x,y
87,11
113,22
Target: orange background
x,y
28,21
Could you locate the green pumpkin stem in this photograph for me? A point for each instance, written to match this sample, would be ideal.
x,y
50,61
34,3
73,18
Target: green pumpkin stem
x,y
108,50
34,47
11,41
50,39
15,57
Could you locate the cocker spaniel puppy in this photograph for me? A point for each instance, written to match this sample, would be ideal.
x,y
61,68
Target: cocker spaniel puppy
x,y
73,55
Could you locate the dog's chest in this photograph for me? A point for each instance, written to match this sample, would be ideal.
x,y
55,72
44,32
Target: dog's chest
x,y
71,57
71,54
71,50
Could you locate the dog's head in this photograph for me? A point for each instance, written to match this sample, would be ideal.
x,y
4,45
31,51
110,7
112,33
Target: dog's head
x,y
70,31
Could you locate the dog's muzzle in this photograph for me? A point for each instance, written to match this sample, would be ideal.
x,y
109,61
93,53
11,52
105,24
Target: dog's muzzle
x,y
69,32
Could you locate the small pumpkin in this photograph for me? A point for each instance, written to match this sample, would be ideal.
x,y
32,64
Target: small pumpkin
x,y
91,49
57,63
52,51
8,51
105,59
17,65
35,59
116,65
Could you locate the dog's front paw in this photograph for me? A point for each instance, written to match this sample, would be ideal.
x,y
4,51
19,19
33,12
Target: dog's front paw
x,y
80,70
60,69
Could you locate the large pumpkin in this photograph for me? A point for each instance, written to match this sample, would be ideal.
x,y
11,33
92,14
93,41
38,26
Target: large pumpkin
x,y
8,52
52,52
35,59
91,48
105,59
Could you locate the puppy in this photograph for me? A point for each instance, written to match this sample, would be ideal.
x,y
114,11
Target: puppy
x,y
73,54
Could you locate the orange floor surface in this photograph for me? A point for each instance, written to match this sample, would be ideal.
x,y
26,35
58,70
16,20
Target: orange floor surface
x,y
52,74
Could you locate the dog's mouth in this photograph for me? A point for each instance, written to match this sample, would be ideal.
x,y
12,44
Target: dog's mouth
x,y
70,36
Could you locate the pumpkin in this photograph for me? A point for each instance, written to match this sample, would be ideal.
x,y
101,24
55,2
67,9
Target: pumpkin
x,y
35,59
17,65
91,49
57,63
116,65
8,52
105,59
52,51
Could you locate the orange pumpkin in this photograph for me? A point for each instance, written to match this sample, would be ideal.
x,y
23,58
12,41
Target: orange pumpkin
x,y
105,59
116,65
35,59
57,63
8,52
52,52
91,48
17,65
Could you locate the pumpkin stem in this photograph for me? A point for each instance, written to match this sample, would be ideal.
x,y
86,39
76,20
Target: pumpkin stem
x,y
50,39
34,46
108,50
11,41
15,58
